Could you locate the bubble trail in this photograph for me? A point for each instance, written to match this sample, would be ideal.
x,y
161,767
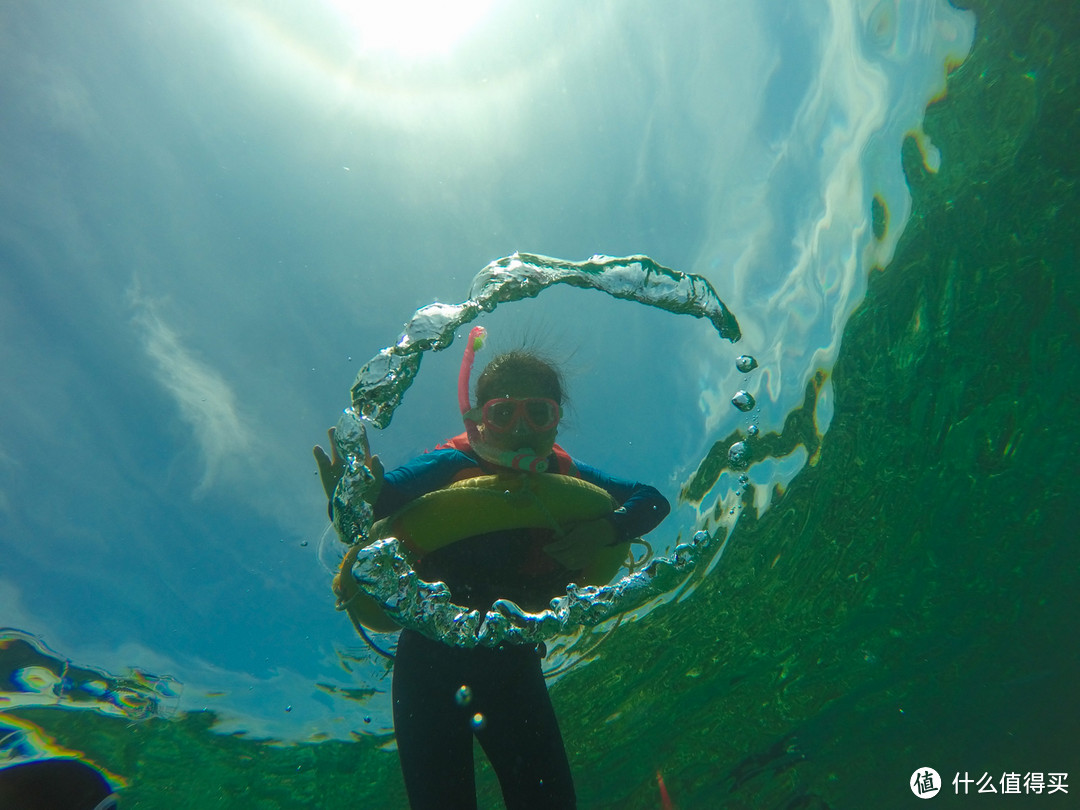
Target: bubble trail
x,y
744,401
739,455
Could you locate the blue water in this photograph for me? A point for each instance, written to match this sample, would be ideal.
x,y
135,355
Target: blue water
x,y
213,213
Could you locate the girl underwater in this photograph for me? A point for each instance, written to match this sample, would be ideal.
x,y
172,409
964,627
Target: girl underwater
x,y
444,695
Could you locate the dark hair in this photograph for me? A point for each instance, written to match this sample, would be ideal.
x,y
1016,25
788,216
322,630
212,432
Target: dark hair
x,y
514,366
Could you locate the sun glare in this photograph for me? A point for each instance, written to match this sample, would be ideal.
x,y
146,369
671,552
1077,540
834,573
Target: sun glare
x,y
412,29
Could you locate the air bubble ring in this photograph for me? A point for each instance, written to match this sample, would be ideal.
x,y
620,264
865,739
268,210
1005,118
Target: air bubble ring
x,y
383,570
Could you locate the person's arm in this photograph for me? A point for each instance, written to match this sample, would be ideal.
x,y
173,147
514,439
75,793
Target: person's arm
x,y
425,473
641,507
598,548
392,490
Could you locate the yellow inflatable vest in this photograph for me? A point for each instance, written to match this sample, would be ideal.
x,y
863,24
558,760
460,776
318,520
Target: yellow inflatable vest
x,y
491,503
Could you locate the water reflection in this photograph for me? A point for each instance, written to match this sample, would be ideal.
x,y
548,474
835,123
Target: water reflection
x,y
210,216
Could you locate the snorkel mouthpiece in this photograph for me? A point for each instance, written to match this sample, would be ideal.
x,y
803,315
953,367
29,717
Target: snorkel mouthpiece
x,y
523,460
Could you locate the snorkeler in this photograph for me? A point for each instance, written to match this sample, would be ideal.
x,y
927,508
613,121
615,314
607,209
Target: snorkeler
x,y
444,695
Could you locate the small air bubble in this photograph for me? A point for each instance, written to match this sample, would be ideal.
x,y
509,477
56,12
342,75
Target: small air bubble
x,y
463,696
479,722
745,363
744,401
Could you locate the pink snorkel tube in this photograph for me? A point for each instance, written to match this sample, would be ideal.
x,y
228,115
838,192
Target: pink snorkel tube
x,y
523,460
476,340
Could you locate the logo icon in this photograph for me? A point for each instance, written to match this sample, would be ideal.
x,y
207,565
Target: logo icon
x,y
925,783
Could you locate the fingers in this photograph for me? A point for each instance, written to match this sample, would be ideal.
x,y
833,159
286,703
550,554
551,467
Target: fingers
x,y
335,458
375,466
568,551
580,545
344,586
325,465
331,467
560,545
326,469
574,559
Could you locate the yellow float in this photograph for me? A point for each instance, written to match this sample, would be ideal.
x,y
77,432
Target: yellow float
x,y
476,506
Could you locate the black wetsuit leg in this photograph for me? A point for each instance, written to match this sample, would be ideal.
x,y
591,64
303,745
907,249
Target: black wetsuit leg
x,y
519,731
521,735
434,738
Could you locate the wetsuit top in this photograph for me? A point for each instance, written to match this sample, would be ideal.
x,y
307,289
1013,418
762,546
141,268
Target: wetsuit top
x,y
509,564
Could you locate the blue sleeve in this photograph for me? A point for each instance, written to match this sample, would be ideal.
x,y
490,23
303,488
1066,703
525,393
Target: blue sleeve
x,y
641,507
424,474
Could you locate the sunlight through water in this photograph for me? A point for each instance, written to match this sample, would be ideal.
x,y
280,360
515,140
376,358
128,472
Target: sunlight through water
x,y
411,29
215,219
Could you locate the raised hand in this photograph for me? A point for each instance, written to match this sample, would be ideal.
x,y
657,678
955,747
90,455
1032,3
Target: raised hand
x,y
332,467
